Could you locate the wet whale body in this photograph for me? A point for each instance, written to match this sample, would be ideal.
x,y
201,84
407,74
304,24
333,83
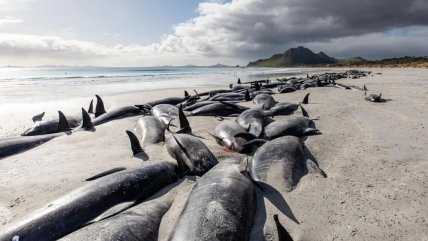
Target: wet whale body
x,y
139,223
14,145
221,206
190,150
164,112
63,123
225,132
102,116
264,100
99,198
218,109
292,126
253,120
280,157
151,130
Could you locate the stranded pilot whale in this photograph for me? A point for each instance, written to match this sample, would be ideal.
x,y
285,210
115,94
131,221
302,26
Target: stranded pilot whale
x,y
63,123
221,206
95,200
282,157
137,223
102,116
14,145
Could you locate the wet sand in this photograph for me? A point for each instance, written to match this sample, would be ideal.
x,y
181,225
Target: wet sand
x,y
374,154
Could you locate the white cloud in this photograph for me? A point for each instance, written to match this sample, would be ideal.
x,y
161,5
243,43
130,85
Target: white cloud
x,y
243,30
9,19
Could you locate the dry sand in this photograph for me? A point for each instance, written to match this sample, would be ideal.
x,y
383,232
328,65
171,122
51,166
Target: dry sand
x,y
374,154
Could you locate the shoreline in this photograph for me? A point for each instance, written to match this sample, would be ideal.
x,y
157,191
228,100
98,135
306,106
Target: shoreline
x,y
374,154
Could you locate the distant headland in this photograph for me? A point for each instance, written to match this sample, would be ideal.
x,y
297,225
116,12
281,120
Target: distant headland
x,y
304,57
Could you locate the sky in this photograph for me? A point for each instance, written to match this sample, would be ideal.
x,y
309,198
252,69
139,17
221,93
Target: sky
x,y
203,32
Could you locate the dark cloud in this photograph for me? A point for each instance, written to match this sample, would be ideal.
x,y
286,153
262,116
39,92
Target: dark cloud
x,y
255,27
243,30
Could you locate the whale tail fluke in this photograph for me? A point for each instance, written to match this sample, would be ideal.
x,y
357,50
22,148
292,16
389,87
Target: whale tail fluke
x,y
99,108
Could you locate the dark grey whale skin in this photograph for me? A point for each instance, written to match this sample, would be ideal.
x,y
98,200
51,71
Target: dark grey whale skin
x,y
84,204
221,206
283,156
116,114
51,126
139,223
190,150
13,145
218,109
292,126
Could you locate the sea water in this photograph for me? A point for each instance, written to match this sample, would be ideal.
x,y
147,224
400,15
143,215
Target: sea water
x,y
25,92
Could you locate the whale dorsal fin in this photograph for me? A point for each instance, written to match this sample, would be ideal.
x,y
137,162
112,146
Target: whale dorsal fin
x,y
63,123
135,143
306,99
304,112
38,117
247,95
91,107
86,120
186,94
99,108
184,123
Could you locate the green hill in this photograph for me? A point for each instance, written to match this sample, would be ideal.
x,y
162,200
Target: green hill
x,y
294,57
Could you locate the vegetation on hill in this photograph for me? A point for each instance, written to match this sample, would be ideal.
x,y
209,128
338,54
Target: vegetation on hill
x,y
303,57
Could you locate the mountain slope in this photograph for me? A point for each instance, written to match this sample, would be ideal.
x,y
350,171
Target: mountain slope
x,y
294,57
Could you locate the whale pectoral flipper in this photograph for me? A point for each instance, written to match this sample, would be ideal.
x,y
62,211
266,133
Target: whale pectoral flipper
x,y
283,235
311,132
245,135
188,161
38,117
112,211
63,123
312,162
105,173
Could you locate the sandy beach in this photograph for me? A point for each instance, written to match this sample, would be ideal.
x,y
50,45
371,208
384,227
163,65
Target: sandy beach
x,y
375,156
